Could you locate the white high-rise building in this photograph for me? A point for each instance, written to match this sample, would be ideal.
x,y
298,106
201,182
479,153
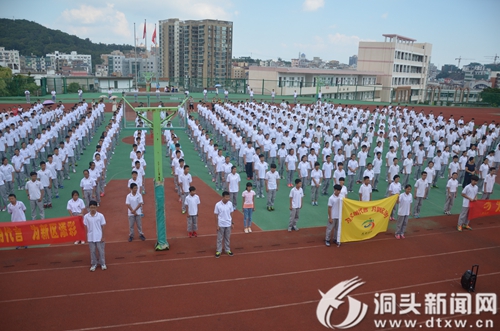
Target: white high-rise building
x,y
10,59
403,63
57,60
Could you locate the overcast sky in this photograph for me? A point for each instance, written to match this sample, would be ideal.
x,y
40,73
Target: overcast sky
x,y
330,29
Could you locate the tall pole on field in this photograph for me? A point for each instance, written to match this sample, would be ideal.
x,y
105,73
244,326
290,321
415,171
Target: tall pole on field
x,y
159,191
135,62
145,37
156,57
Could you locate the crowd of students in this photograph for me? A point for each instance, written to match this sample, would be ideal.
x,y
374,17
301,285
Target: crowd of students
x,y
41,166
318,145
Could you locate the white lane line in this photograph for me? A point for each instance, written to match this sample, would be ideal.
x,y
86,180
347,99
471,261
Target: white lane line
x,y
281,274
174,319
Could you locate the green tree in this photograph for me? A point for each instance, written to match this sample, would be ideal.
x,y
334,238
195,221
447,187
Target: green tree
x,y
73,87
31,38
20,83
5,78
491,96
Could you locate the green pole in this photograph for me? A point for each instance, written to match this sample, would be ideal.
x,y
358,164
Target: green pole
x,y
161,229
262,87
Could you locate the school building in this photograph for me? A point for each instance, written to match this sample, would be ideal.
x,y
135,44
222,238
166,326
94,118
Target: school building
x,y
332,83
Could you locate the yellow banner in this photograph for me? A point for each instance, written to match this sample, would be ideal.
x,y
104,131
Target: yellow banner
x,y
363,220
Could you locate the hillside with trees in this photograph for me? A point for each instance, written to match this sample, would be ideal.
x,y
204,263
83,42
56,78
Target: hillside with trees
x,y
32,38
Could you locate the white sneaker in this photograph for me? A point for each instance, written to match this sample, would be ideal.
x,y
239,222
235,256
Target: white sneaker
x,y
74,170
249,230
246,230
92,268
77,242
103,267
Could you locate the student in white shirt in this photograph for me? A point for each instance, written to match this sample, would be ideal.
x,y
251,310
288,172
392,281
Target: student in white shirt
x,y
296,195
394,188
469,193
224,224
484,169
272,186
463,164
377,166
185,179
282,154
134,204
431,173
404,210
362,156
291,166
261,169
454,166
327,169
333,215
407,168
392,171
369,173
352,168
94,224
420,189
191,202
489,183
451,193
76,207
304,168
339,173
36,192
233,180
365,190
437,160
316,177
16,209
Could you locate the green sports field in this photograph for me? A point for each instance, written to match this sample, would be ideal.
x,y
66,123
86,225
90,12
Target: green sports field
x,y
311,216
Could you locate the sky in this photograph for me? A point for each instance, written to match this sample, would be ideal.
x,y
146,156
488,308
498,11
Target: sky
x,y
329,29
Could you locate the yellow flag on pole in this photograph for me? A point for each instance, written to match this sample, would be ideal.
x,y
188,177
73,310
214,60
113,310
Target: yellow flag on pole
x,y
362,220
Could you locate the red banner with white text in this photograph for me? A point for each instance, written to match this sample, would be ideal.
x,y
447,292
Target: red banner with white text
x,y
42,232
481,208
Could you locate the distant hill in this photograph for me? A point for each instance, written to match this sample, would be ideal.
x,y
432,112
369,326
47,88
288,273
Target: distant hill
x,y
32,38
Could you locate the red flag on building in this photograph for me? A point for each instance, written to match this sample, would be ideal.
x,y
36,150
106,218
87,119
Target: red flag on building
x,y
144,33
154,36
